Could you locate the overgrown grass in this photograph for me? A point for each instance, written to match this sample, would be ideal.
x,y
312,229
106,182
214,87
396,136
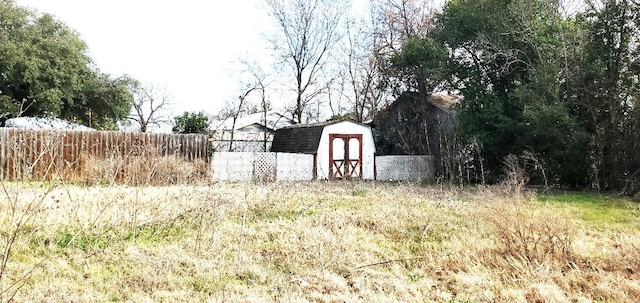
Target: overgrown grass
x,y
319,242
598,210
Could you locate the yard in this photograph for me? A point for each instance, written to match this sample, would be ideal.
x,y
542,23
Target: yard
x,y
315,242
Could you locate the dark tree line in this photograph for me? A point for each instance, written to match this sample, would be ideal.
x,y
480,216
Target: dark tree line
x,y
552,82
539,80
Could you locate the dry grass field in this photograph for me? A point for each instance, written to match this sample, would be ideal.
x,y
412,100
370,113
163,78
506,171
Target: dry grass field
x,y
314,242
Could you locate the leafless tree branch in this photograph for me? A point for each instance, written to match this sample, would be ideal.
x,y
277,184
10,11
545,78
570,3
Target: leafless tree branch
x,y
308,30
149,106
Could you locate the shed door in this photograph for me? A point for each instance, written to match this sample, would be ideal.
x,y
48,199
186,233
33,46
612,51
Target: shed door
x,y
345,156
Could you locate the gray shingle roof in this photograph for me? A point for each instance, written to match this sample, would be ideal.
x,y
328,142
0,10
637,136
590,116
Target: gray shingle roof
x,y
298,139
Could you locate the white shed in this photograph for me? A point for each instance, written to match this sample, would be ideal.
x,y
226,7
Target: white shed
x,y
341,149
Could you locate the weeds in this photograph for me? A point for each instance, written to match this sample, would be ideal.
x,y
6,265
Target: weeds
x,y
144,170
530,236
315,242
19,220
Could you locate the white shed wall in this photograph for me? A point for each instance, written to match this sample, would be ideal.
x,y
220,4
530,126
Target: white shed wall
x,y
347,127
408,168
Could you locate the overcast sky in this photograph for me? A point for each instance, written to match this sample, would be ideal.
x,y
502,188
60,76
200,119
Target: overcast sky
x,y
186,46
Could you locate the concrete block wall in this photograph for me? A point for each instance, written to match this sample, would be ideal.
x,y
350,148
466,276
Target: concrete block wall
x,y
408,168
258,166
294,167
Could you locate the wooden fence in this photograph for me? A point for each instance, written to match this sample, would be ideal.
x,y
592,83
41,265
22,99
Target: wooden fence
x,y
48,154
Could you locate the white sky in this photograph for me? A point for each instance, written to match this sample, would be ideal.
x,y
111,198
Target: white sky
x,y
189,47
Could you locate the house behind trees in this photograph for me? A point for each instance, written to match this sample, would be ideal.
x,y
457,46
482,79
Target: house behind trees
x,y
414,125
252,133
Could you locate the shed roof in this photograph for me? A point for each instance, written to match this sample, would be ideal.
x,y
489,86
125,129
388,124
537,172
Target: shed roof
x,y
302,138
298,139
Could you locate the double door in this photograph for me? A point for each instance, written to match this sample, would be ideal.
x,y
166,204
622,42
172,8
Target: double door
x,y
345,156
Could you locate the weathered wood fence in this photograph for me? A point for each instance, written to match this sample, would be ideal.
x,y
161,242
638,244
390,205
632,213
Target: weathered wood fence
x,y
47,154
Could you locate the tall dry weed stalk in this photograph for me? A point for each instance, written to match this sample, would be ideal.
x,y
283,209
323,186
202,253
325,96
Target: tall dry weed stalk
x,y
520,170
144,169
528,235
18,218
515,175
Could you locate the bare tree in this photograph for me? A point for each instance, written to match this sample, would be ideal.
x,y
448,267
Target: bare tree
x,y
233,110
395,23
150,105
361,72
337,95
259,79
366,45
398,20
307,31
257,82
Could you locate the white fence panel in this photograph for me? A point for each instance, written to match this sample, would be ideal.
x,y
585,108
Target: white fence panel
x,y
229,166
294,167
264,167
409,168
261,167
267,167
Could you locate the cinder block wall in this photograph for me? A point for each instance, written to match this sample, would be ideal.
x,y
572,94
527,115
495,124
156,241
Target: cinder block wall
x,y
409,168
247,166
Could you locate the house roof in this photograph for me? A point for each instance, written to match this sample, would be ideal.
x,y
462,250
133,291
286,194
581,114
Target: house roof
x,y
302,138
44,123
274,121
444,100
326,123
